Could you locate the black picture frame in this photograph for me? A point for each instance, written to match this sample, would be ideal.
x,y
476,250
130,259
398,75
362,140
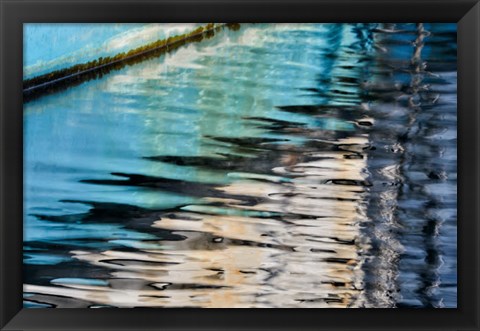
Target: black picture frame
x,y
14,13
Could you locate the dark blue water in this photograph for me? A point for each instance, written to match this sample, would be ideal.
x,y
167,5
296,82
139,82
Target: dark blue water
x,y
280,165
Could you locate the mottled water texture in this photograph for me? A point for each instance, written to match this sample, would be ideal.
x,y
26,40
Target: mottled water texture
x,y
280,165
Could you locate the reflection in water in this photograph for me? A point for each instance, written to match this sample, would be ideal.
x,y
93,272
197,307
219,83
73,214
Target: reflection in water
x,y
251,170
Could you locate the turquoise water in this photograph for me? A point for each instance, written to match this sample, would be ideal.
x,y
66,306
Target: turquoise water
x,y
280,165
49,47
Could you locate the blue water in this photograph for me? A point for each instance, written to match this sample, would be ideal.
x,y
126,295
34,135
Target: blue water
x,y
280,165
54,46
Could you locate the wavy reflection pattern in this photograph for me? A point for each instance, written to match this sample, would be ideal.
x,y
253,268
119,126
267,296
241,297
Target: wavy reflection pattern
x,y
280,165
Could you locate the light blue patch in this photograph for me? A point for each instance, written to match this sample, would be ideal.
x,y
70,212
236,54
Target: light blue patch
x,y
80,281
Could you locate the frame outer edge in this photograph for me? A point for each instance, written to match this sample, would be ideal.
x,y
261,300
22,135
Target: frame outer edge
x,y
476,108
8,276
3,317
477,195
472,103
4,314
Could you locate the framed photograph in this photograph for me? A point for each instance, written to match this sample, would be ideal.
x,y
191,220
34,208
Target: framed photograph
x,y
316,157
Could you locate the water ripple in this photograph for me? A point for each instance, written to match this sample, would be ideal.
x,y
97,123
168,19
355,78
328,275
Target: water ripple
x,y
251,170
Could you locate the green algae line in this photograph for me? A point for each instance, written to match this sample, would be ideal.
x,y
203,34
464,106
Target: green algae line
x,y
79,72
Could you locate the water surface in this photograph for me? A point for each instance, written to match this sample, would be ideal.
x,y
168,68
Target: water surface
x,y
280,165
